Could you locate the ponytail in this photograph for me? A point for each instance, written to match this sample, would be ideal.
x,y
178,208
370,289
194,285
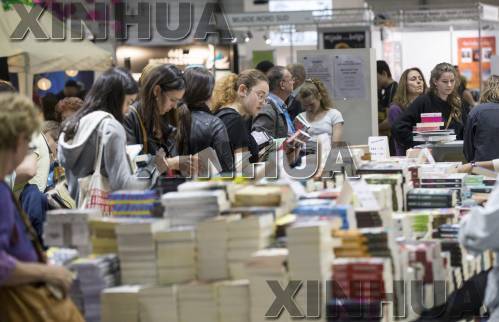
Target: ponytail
x,y
225,92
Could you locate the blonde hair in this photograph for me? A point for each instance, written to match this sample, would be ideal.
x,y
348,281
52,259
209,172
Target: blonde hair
x,y
453,99
225,91
491,92
18,117
316,88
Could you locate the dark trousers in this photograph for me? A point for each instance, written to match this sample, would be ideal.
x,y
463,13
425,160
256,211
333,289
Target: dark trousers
x,y
34,204
464,303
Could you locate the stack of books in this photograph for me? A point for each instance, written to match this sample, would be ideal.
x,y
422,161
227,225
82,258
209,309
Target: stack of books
x,y
354,310
262,196
310,259
68,228
128,203
263,266
368,218
234,301
158,304
93,275
396,183
246,236
212,243
357,281
103,235
176,255
430,129
197,302
188,208
325,210
353,244
424,198
137,250
121,304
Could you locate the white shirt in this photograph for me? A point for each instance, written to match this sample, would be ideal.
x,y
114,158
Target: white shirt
x,y
325,124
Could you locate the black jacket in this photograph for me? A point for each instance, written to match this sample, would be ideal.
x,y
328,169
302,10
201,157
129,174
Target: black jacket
x,y
481,134
134,128
271,120
208,130
427,103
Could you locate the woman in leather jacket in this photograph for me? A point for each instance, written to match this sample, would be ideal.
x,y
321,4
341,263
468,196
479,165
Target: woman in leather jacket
x,y
149,120
197,127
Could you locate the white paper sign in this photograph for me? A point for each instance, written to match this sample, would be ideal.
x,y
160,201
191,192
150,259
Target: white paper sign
x,y
320,66
349,77
378,147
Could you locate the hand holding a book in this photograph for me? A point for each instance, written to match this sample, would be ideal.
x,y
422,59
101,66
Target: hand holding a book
x,y
186,164
59,277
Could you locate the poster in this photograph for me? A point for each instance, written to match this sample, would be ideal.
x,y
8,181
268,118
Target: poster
x,y
344,39
392,54
320,66
469,57
349,77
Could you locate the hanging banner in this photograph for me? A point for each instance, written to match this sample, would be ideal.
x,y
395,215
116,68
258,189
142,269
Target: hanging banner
x,y
469,57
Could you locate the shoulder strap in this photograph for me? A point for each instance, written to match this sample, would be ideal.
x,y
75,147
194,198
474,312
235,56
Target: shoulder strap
x,y
31,232
142,129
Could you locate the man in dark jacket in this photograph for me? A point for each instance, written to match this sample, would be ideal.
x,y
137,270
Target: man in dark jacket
x,y
274,118
299,76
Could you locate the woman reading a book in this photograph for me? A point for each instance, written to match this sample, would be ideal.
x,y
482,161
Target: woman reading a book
x,y
236,100
319,115
441,98
149,121
411,85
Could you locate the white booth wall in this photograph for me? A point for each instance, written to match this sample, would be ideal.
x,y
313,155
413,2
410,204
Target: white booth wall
x,y
425,48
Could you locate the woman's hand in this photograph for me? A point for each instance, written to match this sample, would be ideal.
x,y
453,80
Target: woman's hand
x,y
58,276
465,168
186,164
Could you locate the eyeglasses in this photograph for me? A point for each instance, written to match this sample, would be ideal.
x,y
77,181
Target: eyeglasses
x,y
261,95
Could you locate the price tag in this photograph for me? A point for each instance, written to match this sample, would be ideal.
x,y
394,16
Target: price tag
x,y
378,147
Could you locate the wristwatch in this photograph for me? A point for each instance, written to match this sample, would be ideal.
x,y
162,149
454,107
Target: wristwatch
x,y
473,165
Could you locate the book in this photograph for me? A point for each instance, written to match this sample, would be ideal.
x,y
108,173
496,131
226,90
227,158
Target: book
x,y
158,303
121,304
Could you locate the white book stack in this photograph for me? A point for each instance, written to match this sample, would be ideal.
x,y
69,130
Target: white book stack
x,y
137,250
121,304
266,265
197,302
234,301
158,304
310,258
246,236
69,228
212,241
93,276
188,208
176,255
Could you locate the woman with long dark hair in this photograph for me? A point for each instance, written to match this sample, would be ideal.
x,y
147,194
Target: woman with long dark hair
x,y
149,121
411,85
441,98
99,122
197,128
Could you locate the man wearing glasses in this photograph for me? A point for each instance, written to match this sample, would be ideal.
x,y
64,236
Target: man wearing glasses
x,y
274,118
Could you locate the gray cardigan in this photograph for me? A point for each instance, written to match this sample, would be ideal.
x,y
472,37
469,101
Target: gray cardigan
x,y
78,155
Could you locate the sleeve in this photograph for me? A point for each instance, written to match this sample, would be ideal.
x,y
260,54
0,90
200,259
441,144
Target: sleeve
x,y
394,113
7,263
402,129
265,121
221,145
336,117
129,123
469,134
116,162
478,231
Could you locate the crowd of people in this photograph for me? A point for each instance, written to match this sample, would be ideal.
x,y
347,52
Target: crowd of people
x,y
175,114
